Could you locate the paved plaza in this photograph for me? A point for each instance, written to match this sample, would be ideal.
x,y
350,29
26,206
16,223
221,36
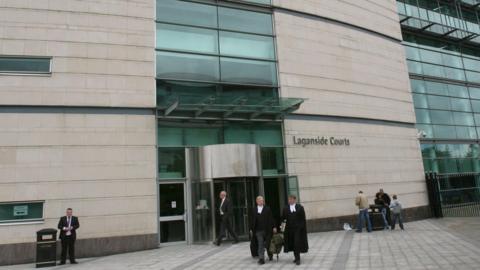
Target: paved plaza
x,y
449,243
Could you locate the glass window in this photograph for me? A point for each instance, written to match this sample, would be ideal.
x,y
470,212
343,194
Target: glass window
x,y
452,61
420,101
431,56
187,66
418,86
477,119
422,116
414,67
186,13
24,65
441,117
272,160
199,136
444,132
170,136
412,53
473,76
244,45
20,211
460,104
248,71
183,38
245,21
437,102
476,105
234,133
436,88
454,73
471,64
457,91
448,165
433,70
464,119
265,2
474,92
171,163
268,135
427,129
444,150
466,132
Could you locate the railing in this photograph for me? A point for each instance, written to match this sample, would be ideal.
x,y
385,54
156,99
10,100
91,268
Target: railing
x,y
454,195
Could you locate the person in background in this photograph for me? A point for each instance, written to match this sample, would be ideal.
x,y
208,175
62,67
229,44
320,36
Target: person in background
x,y
362,202
68,226
383,210
262,228
396,207
226,212
387,201
295,235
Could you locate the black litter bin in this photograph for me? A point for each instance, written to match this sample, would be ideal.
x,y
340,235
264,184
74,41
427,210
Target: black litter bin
x,y
376,217
46,248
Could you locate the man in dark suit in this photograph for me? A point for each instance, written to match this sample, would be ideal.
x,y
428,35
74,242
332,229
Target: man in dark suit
x,y
386,198
262,227
226,211
295,235
68,226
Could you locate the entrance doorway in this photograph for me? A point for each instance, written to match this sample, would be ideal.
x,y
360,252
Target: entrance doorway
x,y
172,212
242,193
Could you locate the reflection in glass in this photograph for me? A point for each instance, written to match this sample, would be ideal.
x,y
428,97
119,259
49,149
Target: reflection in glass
x,y
245,45
183,12
248,71
245,21
171,163
190,39
187,66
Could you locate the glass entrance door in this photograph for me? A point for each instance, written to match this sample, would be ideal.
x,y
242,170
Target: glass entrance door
x,y
242,193
172,212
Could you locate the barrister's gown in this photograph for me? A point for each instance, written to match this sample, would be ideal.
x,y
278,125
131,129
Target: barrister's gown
x,y
295,235
269,224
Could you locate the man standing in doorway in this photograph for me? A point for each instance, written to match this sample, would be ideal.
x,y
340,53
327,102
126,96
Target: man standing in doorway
x,y
68,226
262,227
362,202
226,212
295,235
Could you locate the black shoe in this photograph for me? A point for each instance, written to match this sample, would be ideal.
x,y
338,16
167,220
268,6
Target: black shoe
x,y
235,241
261,261
270,257
61,263
216,243
357,231
74,262
297,262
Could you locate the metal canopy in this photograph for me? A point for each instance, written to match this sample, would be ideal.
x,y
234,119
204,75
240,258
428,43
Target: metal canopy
x,y
421,25
226,106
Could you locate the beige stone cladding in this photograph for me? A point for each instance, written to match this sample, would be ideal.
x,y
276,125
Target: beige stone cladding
x,y
341,70
102,52
378,156
101,165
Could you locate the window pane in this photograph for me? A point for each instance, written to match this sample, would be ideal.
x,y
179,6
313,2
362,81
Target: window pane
x,y
436,102
454,73
431,56
436,88
21,211
170,136
265,2
245,21
173,37
473,76
447,165
197,136
426,129
460,104
414,67
464,119
420,101
444,132
245,45
433,70
412,53
272,160
441,117
417,86
24,65
422,116
474,92
268,135
476,105
466,133
186,13
187,66
248,71
237,134
471,64
171,163
457,91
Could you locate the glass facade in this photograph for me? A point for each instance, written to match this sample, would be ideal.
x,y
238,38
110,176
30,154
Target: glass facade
x,y
443,56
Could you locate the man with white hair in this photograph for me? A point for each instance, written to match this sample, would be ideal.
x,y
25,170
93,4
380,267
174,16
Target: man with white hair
x,y
226,211
262,227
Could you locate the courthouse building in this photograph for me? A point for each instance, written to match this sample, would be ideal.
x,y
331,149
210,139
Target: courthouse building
x,y
137,113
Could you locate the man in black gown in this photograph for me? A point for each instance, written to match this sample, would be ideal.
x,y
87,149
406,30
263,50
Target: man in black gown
x,y
226,212
295,235
262,227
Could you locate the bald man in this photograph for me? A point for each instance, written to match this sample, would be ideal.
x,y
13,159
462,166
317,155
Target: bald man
x,y
262,227
226,211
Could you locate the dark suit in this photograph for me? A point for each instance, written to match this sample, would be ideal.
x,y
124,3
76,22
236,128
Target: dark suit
x,y
226,212
295,235
386,198
261,226
68,241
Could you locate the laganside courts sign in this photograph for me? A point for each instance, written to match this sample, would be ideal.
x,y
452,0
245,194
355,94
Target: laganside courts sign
x,y
320,141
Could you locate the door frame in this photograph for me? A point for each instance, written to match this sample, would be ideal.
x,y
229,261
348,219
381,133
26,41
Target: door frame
x,y
183,217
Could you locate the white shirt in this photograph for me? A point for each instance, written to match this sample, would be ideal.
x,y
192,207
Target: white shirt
x,y
292,208
69,222
221,204
259,209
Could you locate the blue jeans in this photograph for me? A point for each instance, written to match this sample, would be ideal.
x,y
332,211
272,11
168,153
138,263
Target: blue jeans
x,y
384,216
395,217
362,215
